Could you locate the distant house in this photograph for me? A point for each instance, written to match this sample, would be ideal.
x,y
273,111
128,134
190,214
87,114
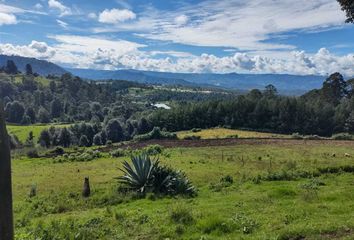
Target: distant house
x,y
161,105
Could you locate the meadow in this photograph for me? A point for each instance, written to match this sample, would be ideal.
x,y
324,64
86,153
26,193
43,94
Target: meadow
x,y
291,190
214,133
22,131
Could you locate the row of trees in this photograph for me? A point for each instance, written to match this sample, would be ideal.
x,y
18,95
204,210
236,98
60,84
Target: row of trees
x,y
87,134
11,68
323,112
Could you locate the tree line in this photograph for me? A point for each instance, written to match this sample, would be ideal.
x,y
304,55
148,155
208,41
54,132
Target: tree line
x,y
324,111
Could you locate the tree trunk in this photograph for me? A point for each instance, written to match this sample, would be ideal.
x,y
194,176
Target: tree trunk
x,y
6,218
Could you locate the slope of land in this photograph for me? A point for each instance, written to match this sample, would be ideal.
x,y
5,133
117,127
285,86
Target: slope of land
x,y
272,196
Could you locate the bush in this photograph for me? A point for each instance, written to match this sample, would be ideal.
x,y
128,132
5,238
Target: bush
x,y
342,136
297,136
196,130
58,151
156,133
86,156
153,149
192,137
146,175
32,153
227,179
313,137
118,153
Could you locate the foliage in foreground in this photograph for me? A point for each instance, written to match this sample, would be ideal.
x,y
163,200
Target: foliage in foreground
x,y
146,175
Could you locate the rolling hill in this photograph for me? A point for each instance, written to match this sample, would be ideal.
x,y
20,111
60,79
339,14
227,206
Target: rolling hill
x,y
285,83
41,67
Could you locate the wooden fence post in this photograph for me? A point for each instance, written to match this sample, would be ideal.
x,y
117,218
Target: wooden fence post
x,y
6,218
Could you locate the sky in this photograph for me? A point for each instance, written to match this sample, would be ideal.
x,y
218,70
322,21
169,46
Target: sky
x,y
199,36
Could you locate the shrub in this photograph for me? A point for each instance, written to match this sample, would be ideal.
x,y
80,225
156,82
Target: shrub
x,y
297,136
225,182
156,133
153,149
86,156
118,153
146,175
192,137
139,176
227,179
109,143
32,153
58,151
342,136
313,137
196,130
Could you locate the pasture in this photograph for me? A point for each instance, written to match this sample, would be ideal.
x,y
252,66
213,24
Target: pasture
x,y
214,133
22,131
292,190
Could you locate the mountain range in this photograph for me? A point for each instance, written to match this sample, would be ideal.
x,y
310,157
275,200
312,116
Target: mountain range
x,y
285,83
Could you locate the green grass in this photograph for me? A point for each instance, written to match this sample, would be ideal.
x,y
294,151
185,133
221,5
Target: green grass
x,y
246,209
227,133
22,131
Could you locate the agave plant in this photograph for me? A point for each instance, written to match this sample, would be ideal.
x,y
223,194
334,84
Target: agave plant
x,y
139,175
172,182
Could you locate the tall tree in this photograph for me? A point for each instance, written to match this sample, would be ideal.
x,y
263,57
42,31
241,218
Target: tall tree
x,y
29,70
11,67
348,7
334,88
6,217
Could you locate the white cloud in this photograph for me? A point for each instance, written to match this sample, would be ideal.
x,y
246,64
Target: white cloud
x,y
114,16
35,49
64,10
7,19
92,15
176,54
241,24
181,19
102,53
62,23
38,6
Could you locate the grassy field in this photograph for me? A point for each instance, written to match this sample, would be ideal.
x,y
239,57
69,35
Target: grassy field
x,y
227,133
273,196
22,131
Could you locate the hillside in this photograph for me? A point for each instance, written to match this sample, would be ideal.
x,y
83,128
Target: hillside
x,y
285,83
41,67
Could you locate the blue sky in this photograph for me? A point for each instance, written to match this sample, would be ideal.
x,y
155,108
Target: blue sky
x,y
259,36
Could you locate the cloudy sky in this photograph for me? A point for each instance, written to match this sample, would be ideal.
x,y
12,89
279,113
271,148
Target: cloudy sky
x,y
245,36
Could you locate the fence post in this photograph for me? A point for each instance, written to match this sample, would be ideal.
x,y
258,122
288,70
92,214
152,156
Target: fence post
x,y
6,218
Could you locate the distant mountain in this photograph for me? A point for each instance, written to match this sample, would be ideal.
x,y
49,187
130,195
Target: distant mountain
x,y
38,66
130,75
285,83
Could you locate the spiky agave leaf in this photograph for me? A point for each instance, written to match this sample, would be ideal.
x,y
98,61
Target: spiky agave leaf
x,y
139,175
